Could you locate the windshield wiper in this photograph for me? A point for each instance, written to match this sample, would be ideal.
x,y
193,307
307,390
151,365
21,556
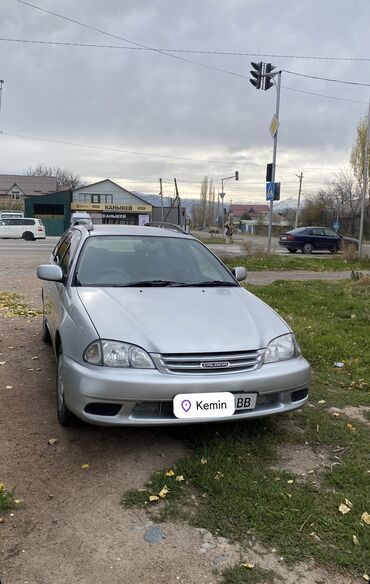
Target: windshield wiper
x,y
149,283
211,283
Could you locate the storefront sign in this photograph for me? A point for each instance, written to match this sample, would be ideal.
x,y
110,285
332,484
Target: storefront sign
x,y
111,208
114,216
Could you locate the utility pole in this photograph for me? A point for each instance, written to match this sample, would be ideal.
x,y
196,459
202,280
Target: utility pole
x,y
1,91
277,110
365,184
179,222
300,176
222,195
161,194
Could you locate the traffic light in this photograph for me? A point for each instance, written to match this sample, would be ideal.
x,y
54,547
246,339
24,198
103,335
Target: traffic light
x,y
277,192
257,74
236,175
269,172
268,78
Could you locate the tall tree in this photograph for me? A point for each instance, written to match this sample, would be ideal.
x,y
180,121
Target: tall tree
x,y
65,177
203,202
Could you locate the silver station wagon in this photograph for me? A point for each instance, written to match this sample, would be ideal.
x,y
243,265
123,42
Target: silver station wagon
x,y
150,328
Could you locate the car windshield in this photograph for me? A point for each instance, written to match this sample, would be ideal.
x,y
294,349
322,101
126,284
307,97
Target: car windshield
x,y
121,260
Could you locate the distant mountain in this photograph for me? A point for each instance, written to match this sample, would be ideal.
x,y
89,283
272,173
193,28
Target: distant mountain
x,y
285,205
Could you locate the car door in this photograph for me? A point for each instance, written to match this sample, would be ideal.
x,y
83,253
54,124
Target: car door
x,y
53,291
5,228
317,238
332,239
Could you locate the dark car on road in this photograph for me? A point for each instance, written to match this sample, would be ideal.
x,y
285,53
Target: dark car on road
x,y
309,239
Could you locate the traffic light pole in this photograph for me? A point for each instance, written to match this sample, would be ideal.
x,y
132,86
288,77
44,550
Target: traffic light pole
x,y
277,109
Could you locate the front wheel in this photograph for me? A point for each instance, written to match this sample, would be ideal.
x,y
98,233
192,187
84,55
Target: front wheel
x,y
65,416
28,236
307,248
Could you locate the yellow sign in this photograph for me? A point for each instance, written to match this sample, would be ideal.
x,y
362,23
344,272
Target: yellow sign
x,y
111,207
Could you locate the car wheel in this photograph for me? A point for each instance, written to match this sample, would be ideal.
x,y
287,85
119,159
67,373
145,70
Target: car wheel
x,y
292,250
28,236
333,250
45,332
307,248
65,416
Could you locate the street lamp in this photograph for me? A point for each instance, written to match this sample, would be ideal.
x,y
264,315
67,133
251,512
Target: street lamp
x,y
222,195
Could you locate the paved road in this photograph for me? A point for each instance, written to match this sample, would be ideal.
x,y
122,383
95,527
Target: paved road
x,y
19,260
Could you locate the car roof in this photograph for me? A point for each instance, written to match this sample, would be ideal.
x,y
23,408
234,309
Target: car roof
x,y
133,230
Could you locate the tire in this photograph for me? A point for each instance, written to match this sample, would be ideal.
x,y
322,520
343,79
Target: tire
x,y
28,236
65,416
292,250
334,250
45,332
307,248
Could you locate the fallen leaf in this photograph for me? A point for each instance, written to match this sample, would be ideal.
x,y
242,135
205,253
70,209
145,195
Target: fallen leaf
x,y
163,492
248,566
335,415
18,501
2,362
8,387
355,540
366,577
219,475
2,520
344,509
290,482
339,364
321,401
365,517
350,427
348,503
180,478
85,466
34,358
2,487
310,471
170,473
52,441
153,498
203,460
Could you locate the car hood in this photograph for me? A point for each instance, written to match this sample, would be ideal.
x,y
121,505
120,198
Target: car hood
x,y
182,320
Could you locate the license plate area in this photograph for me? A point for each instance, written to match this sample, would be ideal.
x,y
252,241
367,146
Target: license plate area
x,y
245,401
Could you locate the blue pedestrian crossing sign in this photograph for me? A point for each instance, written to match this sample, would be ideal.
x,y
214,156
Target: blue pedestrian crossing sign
x,y
270,191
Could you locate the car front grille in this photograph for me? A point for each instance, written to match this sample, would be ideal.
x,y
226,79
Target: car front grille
x,y
205,363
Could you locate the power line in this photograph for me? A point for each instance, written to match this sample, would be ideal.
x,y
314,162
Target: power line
x,y
56,43
155,155
101,31
325,78
191,51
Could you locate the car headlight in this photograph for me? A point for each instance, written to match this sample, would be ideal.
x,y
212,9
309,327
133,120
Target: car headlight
x,y
282,348
117,354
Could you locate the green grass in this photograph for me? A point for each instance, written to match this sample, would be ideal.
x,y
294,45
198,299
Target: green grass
x,y
6,499
239,493
276,263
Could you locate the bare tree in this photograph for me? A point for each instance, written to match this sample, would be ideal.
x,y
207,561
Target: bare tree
x,y
65,177
345,189
203,202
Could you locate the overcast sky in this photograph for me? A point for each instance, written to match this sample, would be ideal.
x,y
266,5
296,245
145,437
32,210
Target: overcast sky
x,y
152,103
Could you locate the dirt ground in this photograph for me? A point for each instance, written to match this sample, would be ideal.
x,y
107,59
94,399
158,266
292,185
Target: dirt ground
x,y
70,526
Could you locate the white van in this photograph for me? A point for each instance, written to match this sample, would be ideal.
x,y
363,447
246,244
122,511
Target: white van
x,y
80,217
22,228
11,214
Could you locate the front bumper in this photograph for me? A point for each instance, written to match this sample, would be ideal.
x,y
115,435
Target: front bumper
x,y
144,397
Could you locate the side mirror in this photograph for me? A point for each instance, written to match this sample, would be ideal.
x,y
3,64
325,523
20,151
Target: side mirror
x,y
50,273
240,273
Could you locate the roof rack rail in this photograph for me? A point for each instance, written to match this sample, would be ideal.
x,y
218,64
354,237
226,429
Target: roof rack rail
x,y
165,225
84,223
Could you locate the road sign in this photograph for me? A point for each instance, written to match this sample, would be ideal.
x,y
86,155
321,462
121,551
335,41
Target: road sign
x,y
274,126
270,191
222,195
336,225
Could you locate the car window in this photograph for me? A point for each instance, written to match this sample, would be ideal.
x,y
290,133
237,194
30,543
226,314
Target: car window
x,y
62,247
123,260
70,251
330,233
317,231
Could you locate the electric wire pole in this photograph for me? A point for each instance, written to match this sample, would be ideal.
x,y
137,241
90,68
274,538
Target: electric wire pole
x,y
277,109
365,184
161,194
1,91
300,176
